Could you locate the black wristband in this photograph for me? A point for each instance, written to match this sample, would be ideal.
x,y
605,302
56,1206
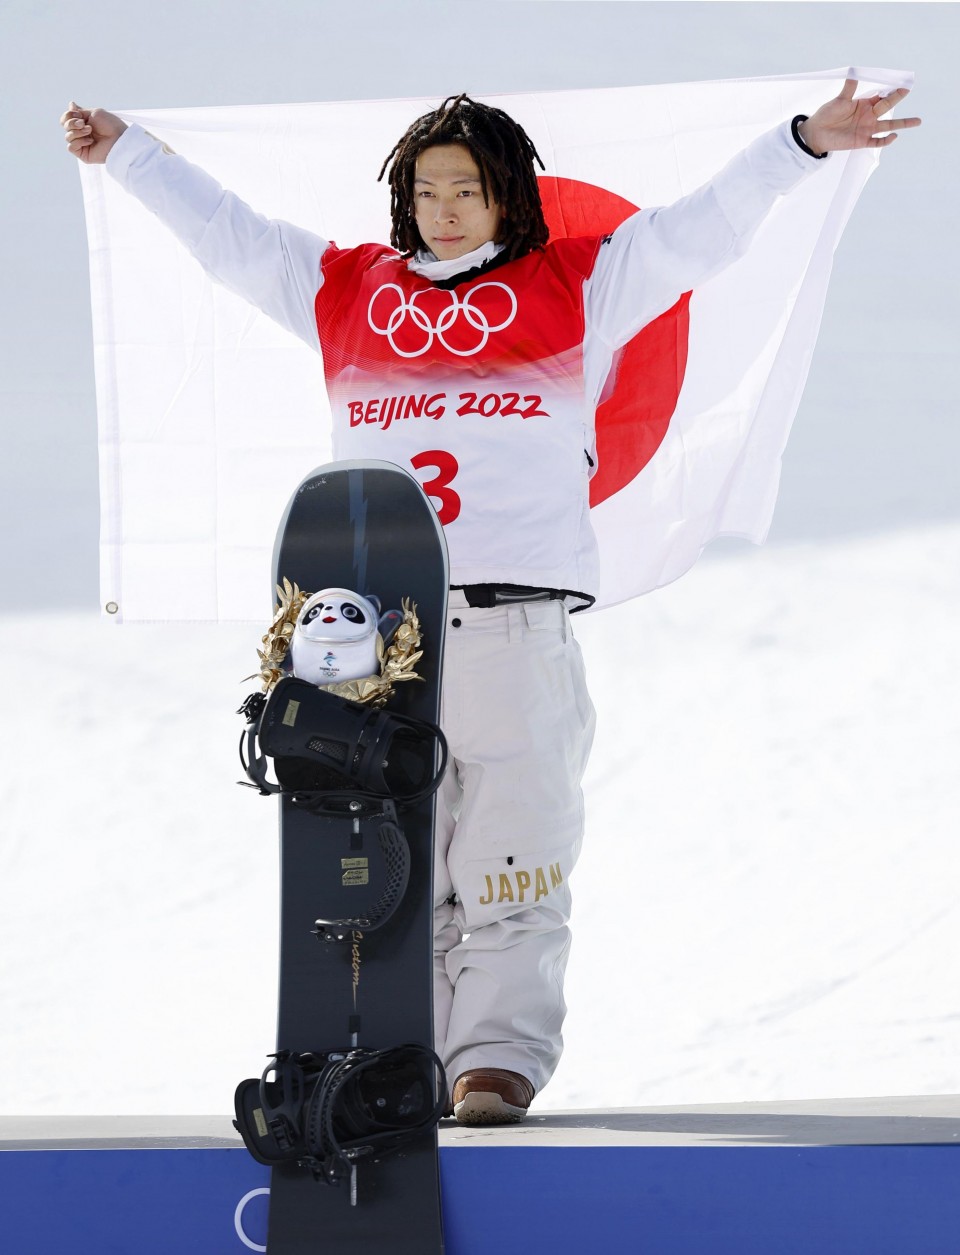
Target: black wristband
x,y
795,130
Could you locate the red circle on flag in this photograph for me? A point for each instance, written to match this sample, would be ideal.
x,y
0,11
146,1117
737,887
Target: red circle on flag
x,y
641,394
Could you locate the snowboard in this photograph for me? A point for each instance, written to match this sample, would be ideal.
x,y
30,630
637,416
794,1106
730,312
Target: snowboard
x,y
369,528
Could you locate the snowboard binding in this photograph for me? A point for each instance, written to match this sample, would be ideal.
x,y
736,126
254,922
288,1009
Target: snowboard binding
x,y
328,1111
323,743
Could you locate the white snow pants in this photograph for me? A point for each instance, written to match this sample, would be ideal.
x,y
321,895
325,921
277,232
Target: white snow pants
x,y
519,722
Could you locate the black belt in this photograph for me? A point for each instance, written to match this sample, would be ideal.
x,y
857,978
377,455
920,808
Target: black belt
x,y
486,595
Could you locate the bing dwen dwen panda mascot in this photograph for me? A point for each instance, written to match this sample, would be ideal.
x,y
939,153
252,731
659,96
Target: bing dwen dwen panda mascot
x,y
335,637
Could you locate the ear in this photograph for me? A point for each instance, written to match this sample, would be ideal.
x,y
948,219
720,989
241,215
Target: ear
x,y
388,625
373,600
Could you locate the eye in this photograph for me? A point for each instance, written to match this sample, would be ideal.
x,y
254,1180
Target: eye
x,y
313,614
351,612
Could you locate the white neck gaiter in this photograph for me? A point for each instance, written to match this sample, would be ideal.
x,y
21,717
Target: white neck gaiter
x,y
425,263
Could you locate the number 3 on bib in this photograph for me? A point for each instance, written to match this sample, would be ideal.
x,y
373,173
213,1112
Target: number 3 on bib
x,y
446,500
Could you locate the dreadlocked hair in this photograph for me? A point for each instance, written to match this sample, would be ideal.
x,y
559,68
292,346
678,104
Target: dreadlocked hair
x,y
503,151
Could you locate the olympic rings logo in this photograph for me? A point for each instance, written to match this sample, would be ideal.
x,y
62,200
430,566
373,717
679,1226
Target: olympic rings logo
x,y
473,315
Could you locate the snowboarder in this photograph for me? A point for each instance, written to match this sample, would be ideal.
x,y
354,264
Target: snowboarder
x,y
472,313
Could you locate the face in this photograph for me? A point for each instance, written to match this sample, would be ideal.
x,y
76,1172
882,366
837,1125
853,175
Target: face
x,y
448,199
336,615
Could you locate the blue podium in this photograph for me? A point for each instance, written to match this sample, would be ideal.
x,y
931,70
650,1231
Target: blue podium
x,y
870,1176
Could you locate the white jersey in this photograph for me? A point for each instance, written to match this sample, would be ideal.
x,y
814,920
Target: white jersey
x,y
487,391
480,389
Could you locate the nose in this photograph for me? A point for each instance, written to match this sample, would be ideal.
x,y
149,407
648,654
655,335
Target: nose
x,y
446,210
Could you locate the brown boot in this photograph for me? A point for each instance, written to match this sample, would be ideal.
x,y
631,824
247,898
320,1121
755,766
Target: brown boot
x,y
491,1096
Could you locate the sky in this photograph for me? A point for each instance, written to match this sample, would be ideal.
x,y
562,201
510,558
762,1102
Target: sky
x,y
775,860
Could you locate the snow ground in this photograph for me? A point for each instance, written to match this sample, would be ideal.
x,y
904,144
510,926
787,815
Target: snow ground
x,y
766,906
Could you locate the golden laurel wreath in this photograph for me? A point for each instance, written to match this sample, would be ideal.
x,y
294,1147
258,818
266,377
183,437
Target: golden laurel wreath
x,y
397,660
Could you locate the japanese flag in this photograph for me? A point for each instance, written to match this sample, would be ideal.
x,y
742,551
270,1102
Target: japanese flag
x,y
210,415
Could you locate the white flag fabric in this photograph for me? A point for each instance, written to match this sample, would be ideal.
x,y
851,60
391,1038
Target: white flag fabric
x,y
210,415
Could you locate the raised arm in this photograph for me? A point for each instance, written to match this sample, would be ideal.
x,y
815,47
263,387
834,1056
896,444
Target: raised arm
x,y
272,264
657,254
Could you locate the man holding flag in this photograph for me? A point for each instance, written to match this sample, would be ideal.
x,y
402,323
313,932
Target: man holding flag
x,y
477,350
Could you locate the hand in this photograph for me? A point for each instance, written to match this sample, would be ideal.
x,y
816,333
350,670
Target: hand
x,y
91,133
847,123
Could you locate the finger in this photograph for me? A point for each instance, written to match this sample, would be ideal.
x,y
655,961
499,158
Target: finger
x,y
849,87
897,124
886,103
881,141
78,145
79,116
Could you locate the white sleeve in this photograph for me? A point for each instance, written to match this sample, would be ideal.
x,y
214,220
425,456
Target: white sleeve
x,y
271,264
658,254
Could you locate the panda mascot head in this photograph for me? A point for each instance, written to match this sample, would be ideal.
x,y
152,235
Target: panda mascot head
x,y
335,637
